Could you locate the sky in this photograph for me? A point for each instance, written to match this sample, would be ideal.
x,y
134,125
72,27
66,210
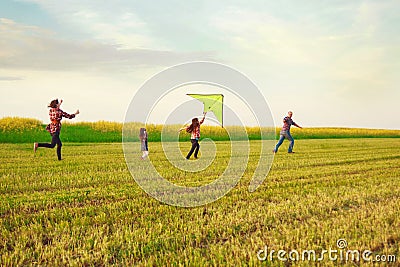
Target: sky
x,y
333,63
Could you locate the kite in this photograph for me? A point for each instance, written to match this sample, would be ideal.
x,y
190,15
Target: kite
x,y
214,103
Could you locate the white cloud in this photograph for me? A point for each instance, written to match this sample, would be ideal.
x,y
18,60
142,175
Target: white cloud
x,y
352,53
10,78
109,22
262,36
30,47
330,57
334,61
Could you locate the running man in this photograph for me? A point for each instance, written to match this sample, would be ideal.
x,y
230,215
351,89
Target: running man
x,y
285,133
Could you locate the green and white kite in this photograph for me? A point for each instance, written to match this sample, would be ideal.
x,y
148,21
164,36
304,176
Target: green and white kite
x,y
212,102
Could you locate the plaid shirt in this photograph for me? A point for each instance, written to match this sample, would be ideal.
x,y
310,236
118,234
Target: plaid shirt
x,y
196,131
143,137
56,116
287,122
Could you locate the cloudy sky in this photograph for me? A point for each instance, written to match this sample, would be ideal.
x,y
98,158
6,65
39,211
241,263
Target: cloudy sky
x,y
334,63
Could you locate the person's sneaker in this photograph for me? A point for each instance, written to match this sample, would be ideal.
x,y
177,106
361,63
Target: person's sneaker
x,y
35,146
291,152
273,151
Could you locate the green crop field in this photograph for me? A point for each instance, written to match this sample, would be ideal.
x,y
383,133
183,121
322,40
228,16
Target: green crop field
x,y
87,210
26,130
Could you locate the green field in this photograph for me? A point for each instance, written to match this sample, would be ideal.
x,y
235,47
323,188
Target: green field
x,y
87,210
26,130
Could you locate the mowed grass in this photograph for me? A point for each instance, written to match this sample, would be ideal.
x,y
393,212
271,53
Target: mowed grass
x,y
87,210
26,130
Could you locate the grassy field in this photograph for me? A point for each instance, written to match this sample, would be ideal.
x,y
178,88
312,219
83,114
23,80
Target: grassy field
x,y
25,130
87,210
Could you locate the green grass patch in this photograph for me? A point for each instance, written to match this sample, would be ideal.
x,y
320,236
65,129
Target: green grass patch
x,y
23,130
87,210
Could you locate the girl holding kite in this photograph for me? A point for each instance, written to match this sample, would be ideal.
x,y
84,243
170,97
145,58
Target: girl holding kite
x,y
194,130
54,128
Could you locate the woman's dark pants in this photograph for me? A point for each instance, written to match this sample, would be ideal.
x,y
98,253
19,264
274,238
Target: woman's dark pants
x,y
195,148
55,140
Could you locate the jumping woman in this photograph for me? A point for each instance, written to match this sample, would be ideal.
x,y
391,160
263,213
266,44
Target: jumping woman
x,y
194,130
54,128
